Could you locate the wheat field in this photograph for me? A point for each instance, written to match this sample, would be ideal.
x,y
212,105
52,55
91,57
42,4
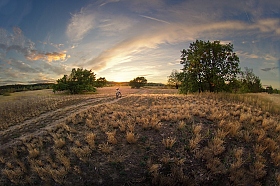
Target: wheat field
x,y
148,137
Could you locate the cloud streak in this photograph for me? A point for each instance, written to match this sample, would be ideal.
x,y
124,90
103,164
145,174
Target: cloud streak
x,y
80,24
155,19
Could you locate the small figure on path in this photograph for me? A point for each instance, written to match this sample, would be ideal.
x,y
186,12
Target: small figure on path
x,y
118,93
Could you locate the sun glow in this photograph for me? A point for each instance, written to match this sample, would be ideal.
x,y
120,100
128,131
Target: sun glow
x,y
120,78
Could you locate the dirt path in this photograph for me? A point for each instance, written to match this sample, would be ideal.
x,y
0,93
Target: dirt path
x,y
46,121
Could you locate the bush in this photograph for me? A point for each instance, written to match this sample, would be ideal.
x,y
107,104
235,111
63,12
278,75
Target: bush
x,y
138,82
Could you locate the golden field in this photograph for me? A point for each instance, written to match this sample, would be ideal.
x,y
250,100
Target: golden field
x,y
148,137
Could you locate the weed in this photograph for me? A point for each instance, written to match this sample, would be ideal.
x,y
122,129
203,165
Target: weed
x,y
169,142
33,152
259,149
197,129
258,170
181,125
59,142
275,156
130,137
216,146
215,165
122,126
111,137
221,134
193,143
246,136
90,137
105,148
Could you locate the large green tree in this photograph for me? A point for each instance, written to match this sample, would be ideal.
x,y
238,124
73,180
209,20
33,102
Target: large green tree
x,y
78,81
138,82
207,66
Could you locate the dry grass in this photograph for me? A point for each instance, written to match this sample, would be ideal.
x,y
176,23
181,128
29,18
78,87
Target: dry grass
x,y
147,139
169,142
131,137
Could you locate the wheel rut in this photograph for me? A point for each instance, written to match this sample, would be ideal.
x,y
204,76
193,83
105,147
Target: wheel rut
x,y
41,124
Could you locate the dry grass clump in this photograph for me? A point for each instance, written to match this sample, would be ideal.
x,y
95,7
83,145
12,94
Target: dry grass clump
x,y
169,142
131,137
90,137
182,125
111,137
105,148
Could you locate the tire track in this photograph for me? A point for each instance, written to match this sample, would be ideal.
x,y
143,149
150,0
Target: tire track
x,y
41,124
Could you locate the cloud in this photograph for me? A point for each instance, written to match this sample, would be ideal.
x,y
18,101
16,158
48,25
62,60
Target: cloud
x,y
51,68
155,19
18,42
80,24
105,2
268,69
49,56
21,66
114,24
268,25
246,55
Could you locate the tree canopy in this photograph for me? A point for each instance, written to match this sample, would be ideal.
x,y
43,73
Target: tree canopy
x,y
138,82
78,81
174,79
101,82
250,82
207,66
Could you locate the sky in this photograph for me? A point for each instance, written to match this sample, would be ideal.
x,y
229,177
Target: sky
x,y
40,41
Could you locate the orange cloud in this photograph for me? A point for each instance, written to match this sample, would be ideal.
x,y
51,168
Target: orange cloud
x,y
54,56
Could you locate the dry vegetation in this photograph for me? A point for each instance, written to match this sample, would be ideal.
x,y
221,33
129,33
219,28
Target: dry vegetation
x,y
149,139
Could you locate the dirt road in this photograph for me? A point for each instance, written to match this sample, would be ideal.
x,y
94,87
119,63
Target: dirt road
x,y
44,122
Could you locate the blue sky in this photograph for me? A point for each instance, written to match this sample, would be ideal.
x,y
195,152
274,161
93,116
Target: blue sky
x,y
40,41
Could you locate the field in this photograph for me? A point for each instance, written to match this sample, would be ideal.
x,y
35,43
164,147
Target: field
x,y
148,137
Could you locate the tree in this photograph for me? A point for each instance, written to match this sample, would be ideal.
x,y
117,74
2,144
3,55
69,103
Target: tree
x,y
138,82
250,82
78,81
269,90
174,79
207,66
101,82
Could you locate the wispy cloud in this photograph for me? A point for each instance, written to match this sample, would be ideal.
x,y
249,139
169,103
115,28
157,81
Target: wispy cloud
x,y
268,69
21,66
155,19
80,24
104,2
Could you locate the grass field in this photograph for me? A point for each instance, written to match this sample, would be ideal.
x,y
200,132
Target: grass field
x,y
148,137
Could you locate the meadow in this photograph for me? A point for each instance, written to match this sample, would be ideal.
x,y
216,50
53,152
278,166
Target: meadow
x,y
148,137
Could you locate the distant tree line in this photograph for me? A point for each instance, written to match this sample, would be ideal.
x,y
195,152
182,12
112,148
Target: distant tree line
x,y
214,67
5,89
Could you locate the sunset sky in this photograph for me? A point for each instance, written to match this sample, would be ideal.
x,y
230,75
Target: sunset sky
x,y
41,40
